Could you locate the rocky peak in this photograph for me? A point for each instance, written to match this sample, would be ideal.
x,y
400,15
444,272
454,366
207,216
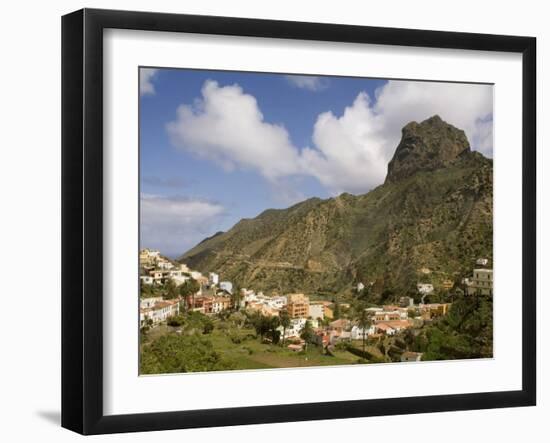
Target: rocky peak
x,y
426,146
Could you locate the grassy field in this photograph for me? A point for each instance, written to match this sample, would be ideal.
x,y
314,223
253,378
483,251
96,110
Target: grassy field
x,y
251,354
240,349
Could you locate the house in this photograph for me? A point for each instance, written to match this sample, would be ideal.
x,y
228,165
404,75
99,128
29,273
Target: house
x,y
146,279
297,306
360,287
148,256
248,297
278,302
226,286
179,279
200,303
338,335
149,302
196,275
340,325
374,310
157,276
481,282
220,304
321,337
213,278
408,356
386,316
384,329
316,310
434,309
263,309
159,312
357,333
391,327
447,285
482,262
425,288
406,301
165,265
295,328
201,280
328,312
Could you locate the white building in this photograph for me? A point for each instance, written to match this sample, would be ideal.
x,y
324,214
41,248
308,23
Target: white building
x,y
146,279
316,311
482,262
148,302
179,279
357,332
160,311
425,288
481,282
248,297
360,287
213,278
196,275
165,265
220,304
295,328
226,286
278,302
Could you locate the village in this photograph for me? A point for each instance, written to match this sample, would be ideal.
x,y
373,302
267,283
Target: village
x,y
295,321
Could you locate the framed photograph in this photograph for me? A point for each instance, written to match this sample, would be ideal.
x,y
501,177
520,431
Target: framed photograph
x,y
268,221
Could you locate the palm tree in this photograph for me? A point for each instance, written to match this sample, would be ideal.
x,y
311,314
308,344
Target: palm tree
x,y
364,323
285,323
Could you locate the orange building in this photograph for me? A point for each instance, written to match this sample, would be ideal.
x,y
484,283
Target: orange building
x,y
297,306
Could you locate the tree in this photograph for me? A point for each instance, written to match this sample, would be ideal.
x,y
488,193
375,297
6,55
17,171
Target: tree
x,y
145,290
337,312
285,323
189,287
208,326
260,324
307,333
266,326
171,290
175,321
238,319
364,323
180,353
275,334
236,298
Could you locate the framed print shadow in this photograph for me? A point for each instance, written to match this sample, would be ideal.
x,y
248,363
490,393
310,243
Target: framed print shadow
x,y
311,221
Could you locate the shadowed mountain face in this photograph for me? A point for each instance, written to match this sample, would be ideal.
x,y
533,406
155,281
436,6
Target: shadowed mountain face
x,y
433,211
426,146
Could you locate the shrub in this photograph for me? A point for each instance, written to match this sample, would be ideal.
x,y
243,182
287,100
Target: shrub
x,y
235,338
175,321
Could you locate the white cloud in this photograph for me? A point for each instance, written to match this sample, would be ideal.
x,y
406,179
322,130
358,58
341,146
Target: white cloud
x,y
175,224
146,86
352,151
309,82
466,106
227,126
349,152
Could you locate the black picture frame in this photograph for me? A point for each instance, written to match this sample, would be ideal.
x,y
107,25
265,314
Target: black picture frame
x,y
82,219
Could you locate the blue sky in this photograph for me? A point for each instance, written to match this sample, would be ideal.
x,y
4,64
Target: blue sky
x,y
216,147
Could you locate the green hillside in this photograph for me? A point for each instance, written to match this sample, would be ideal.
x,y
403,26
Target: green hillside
x,y
433,211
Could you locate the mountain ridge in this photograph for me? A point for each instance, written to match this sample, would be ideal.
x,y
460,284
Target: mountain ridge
x,y
434,211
